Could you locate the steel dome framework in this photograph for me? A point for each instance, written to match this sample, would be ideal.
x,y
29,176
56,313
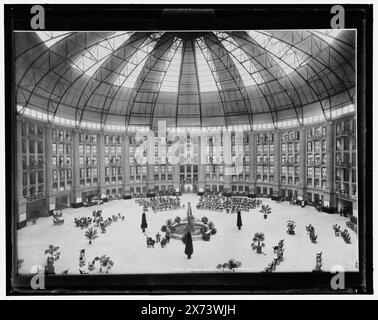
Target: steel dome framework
x,y
185,78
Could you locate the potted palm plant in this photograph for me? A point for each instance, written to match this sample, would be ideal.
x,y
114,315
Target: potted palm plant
x,y
290,227
204,220
91,234
258,242
177,219
265,210
52,255
221,266
105,263
232,264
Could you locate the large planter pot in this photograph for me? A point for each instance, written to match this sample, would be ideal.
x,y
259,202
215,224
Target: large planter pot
x,y
258,249
265,216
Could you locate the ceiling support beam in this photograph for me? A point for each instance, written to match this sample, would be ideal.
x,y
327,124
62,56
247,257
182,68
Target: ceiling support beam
x,y
108,70
149,82
291,67
245,47
211,40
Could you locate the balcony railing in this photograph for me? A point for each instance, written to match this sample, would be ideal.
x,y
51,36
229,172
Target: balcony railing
x,y
345,164
345,132
115,164
90,165
315,136
64,165
289,162
34,166
343,194
30,197
263,162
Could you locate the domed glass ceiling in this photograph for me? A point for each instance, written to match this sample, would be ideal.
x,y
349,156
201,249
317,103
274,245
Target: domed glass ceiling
x,y
186,78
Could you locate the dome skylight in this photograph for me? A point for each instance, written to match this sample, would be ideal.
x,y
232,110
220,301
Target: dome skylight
x,y
52,37
95,56
282,53
129,74
188,78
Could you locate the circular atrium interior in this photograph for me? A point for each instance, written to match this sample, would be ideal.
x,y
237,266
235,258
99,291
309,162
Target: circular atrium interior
x,y
144,125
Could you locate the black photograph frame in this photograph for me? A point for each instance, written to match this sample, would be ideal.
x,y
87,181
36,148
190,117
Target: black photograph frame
x,y
212,17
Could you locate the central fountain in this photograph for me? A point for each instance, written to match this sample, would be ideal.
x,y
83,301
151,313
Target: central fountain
x,y
188,224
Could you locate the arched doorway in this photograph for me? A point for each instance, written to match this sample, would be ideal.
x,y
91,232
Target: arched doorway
x,y
188,188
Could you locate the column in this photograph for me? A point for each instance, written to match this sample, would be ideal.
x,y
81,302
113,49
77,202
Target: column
x,y
201,163
301,187
252,163
227,151
329,194
277,162
151,162
101,164
176,165
20,212
50,195
176,175
76,198
355,208
175,159
125,164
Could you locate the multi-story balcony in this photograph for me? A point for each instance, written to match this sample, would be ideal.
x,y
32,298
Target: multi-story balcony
x,y
34,166
343,194
345,131
289,162
64,165
30,197
346,164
